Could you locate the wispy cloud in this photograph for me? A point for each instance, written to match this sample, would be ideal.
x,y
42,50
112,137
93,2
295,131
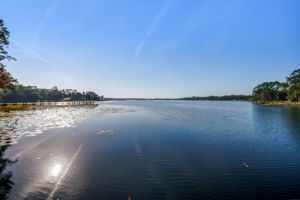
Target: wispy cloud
x,y
35,54
48,14
150,31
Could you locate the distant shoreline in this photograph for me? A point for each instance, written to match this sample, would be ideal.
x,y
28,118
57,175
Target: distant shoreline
x,y
4,110
193,98
271,103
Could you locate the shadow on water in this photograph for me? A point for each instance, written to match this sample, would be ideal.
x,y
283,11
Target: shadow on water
x,y
277,120
291,116
6,183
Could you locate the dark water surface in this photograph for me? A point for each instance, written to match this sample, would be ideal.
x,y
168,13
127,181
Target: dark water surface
x,y
152,150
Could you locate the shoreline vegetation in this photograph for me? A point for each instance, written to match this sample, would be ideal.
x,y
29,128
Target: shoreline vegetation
x,y
220,98
30,97
278,103
6,109
24,94
267,93
279,93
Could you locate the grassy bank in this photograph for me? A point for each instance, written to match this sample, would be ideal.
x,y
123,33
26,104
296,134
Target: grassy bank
x,y
14,107
279,103
4,110
11,107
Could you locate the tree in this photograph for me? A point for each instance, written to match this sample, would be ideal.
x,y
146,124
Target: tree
x,y
293,82
270,91
6,80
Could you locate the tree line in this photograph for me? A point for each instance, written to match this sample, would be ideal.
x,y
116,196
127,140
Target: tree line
x,y
279,91
221,98
22,93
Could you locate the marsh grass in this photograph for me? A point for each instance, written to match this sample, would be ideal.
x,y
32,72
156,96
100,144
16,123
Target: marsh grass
x,y
12,107
18,107
280,103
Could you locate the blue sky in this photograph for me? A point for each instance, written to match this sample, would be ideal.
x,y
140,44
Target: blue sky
x,y
159,48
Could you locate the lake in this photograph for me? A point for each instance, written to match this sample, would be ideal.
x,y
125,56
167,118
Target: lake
x,y
152,150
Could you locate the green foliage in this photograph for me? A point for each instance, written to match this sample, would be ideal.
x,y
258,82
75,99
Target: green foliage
x,y
276,91
270,91
33,94
293,82
6,80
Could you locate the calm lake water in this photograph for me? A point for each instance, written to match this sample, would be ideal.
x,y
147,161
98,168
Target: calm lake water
x,y
152,150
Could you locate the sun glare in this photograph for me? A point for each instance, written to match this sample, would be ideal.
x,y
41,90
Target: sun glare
x,y
55,170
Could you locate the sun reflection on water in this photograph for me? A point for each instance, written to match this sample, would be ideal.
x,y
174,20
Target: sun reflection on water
x,y
55,170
